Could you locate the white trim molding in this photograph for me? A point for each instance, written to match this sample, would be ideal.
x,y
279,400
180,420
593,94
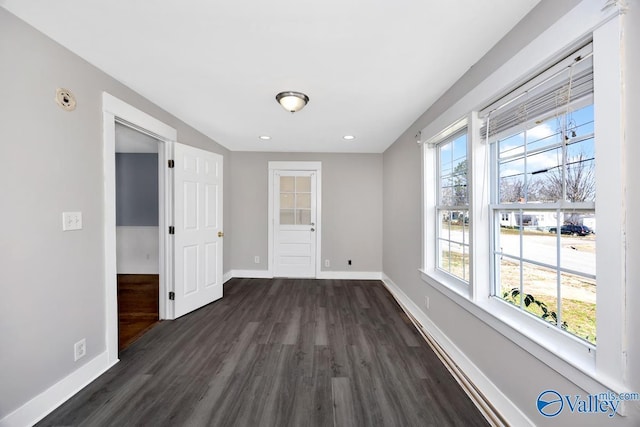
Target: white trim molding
x,y
115,110
119,108
335,275
44,403
350,275
250,274
227,276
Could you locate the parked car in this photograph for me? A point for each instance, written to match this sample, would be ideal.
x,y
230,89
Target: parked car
x,y
574,230
590,230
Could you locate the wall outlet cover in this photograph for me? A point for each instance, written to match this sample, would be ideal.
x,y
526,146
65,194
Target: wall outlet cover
x,y
71,221
79,349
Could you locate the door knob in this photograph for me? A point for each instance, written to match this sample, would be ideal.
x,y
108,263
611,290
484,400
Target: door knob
x,y
313,229
220,234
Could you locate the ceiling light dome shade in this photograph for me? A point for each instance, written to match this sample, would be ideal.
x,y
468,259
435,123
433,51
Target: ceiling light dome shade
x,y
292,101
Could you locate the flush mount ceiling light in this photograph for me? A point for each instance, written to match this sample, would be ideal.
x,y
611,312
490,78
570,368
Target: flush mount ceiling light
x,y
292,101
348,137
264,137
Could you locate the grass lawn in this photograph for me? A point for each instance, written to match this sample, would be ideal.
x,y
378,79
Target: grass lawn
x,y
578,302
580,316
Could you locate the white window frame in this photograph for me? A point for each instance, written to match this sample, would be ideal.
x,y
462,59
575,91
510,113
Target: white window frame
x,y
497,206
440,207
563,352
431,205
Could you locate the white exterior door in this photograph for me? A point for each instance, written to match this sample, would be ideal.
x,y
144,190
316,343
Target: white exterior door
x,y
295,223
198,228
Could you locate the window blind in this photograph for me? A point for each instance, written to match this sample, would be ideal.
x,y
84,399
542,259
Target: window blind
x,y
556,91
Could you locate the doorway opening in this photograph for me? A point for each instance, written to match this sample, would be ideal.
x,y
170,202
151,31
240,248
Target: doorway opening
x,y
137,232
190,199
116,111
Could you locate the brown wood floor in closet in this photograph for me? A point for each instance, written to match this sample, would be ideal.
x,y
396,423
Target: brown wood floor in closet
x,y
138,309
279,352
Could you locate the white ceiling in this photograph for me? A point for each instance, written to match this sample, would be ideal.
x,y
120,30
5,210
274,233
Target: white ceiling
x,y
370,67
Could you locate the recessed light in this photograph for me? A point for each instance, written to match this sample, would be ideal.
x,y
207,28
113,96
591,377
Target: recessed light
x,y
264,137
348,137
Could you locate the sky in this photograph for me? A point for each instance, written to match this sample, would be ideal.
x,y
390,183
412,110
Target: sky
x,y
547,137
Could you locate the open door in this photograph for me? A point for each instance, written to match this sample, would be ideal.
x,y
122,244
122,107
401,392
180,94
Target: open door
x,y
198,236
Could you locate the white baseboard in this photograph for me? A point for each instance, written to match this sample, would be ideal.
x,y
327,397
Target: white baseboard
x,y
227,276
44,403
336,275
501,404
251,274
350,275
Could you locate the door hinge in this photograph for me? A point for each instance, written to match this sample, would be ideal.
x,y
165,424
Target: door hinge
x,y
171,164
172,229
172,296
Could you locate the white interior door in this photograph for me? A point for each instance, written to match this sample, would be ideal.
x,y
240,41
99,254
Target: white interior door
x,y
295,212
198,228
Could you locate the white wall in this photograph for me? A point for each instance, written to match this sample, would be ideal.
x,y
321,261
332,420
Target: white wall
x,y
52,282
516,373
137,250
137,216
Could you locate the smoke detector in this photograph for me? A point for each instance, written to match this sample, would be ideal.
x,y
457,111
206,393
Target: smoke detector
x,y
65,99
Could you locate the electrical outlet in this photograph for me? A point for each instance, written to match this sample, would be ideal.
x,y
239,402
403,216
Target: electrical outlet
x,y
79,349
327,263
256,259
426,302
71,221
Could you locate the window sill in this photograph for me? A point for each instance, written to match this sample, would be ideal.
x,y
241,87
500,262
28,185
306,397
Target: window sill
x,y
453,284
568,355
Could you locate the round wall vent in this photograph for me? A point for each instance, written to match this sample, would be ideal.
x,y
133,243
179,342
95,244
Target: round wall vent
x,y
65,99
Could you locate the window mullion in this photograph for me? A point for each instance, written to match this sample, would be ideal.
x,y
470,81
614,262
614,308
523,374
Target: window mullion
x,y
559,215
521,248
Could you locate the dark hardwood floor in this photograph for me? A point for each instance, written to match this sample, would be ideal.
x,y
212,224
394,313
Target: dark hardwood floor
x,y
281,352
138,307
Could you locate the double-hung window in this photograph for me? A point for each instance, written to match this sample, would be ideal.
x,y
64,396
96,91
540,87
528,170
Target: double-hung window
x,y
512,239
452,209
543,185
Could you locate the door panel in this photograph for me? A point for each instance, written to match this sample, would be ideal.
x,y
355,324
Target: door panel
x,y
198,219
211,265
190,268
190,207
211,217
294,216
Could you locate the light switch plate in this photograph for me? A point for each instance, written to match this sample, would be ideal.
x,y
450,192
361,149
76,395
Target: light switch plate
x,y
71,221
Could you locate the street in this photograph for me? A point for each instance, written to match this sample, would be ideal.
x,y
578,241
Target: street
x,y
576,253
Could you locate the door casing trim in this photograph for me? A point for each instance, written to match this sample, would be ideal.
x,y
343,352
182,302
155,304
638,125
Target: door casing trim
x,y
295,166
115,110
